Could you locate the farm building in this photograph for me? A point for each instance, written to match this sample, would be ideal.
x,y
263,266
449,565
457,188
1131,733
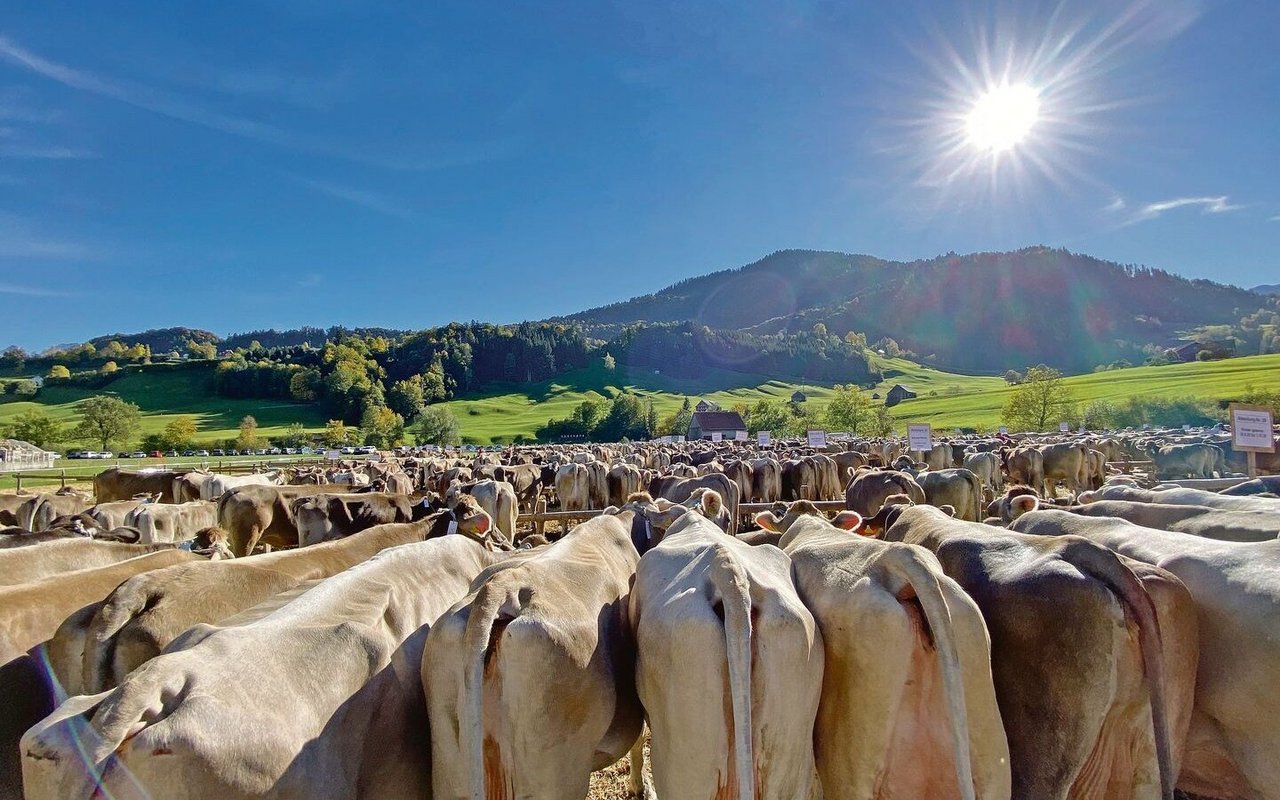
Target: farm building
x,y
897,394
706,405
725,423
16,455
798,397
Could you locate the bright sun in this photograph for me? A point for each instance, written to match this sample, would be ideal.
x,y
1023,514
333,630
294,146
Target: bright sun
x,y
1002,117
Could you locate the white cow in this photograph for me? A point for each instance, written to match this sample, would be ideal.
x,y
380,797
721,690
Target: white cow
x,y
729,667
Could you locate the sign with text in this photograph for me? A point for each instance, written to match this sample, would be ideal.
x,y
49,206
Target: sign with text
x,y
716,436
739,436
1251,429
920,437
332,455
817,439
1064,426
763,438
1004,430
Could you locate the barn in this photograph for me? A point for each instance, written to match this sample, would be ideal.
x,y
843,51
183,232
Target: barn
x,y
897,394
725,423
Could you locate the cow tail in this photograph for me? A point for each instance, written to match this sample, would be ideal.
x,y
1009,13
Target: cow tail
x,y
1102,564
924,582
480,625
121,607
976,484
735,596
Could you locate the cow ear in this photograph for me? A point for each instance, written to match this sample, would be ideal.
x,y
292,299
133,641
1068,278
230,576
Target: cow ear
x,y
1086,497
711,504
768,521
663,504
478,523
848,520
949,510
1023,504
610,511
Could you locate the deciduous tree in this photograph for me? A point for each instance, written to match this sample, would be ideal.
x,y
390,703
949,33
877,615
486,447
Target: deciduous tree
x,y
105,419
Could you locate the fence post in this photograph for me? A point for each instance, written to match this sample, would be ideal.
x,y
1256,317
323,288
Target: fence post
x,y
64,477
18,477
539,508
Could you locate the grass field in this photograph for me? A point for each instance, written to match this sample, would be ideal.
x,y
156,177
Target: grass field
x,y
946,400
163,395
1214,380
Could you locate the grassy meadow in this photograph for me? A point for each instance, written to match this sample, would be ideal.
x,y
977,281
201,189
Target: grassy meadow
x,y
946,400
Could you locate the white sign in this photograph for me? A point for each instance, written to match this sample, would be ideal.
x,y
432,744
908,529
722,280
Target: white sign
x,y
739,436
716,436
817,439
920,437
763,438
1004,430
1251,429
333,455
1082,429
1186,427
1064,426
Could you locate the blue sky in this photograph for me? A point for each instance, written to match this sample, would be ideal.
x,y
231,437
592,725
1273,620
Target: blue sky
x,y
244,165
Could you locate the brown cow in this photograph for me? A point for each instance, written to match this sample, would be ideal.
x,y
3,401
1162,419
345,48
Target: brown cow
x,y
1119,716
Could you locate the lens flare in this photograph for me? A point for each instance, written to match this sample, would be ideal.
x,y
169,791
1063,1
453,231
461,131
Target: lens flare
x,y
1002,117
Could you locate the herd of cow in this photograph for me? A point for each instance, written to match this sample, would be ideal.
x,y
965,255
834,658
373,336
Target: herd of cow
x,y
998,617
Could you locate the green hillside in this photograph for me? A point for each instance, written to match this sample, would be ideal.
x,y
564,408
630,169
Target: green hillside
x,y
960,400
946,400
163,394
1214,380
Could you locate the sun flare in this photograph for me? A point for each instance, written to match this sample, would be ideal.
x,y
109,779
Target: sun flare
x,y
1002,117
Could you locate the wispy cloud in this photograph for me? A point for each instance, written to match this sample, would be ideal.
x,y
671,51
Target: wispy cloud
x,y
1116,205
20,238
1208,205
44,151
438,155
1276,218
361,197
30,291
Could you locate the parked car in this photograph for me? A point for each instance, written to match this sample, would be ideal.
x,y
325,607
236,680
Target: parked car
x,y
219,452
368,449
274,451
138,454
157,454
348,450
202,453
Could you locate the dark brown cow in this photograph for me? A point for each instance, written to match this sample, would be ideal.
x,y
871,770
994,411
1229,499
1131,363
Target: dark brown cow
x,y
323,517
869,488
253,514
1073,632
115,483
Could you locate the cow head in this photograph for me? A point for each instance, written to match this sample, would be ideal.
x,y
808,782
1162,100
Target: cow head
x,y
1016,501
770,521
213,543
466,517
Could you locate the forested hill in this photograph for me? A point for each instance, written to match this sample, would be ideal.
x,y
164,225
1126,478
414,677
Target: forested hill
x,y
979,312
